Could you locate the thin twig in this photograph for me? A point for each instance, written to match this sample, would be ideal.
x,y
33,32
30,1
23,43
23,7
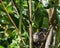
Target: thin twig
x,y
9,15
14,3
30,25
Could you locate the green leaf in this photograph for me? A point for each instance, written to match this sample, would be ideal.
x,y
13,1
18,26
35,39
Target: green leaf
x,y
1,46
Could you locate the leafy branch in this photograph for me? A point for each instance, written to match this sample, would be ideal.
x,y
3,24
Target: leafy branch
x,y
9,15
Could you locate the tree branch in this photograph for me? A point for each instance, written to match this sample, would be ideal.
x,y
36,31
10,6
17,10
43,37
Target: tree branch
x,y
14,3
8,15
30,25
48,41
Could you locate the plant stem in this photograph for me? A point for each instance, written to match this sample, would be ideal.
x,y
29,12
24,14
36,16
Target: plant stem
x,y
30,19
20,17
9,15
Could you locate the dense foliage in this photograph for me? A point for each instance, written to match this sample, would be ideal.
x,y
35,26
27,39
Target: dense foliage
x,y
19,13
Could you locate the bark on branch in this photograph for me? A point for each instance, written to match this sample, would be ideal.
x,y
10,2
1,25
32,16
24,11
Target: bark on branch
x,y
30,19
52,14
48,41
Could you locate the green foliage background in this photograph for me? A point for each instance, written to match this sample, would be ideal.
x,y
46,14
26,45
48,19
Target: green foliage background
x,y
9,36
